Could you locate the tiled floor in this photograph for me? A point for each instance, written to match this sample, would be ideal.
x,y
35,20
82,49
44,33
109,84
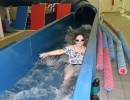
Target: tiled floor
x,y
121,90
121,82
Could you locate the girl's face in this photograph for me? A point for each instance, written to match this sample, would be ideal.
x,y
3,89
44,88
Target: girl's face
x,y
79,40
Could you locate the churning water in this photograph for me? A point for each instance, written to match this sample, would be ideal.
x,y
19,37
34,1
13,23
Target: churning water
x,y
44,80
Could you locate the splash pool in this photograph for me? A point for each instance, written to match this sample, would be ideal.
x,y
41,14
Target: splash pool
x,y
44,80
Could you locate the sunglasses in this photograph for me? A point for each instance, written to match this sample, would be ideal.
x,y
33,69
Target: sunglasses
x,y
79,40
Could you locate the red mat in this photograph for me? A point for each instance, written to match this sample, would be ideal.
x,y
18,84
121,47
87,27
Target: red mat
x,y
62,10
37,16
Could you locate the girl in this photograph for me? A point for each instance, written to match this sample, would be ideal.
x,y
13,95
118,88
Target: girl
x,y
75,53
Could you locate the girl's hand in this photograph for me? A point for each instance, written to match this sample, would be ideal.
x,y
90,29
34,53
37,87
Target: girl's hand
x,y
43,55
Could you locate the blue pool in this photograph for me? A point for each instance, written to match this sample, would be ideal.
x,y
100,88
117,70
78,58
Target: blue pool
x,y
44,79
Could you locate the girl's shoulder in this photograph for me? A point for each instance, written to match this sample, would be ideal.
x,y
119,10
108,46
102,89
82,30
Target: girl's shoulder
x,y
71,47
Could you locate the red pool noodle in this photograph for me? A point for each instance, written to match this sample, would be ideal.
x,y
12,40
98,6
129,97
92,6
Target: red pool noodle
x,y
109,86
108,76
114,28
37,16
99,62
122,70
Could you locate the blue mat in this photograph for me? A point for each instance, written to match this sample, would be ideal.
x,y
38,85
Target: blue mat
x,y
21,17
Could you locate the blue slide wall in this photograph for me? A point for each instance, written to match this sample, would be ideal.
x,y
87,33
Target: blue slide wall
x,y
17,59
88,70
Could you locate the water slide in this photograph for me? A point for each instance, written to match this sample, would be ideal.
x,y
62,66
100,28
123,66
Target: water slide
x,y
19,57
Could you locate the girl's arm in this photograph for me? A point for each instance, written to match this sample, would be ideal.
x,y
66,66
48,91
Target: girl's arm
x,y
55,52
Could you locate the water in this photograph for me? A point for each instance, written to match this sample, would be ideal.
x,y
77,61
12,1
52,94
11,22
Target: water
x,y
44,80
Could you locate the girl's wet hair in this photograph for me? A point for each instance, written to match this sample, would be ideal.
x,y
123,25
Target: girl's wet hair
x,y
77,34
